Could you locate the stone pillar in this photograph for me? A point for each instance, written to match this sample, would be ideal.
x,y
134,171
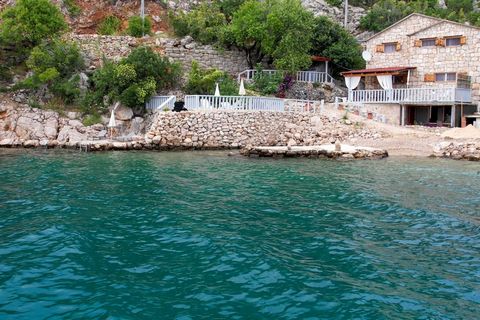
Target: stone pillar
x,y
452,118
402,115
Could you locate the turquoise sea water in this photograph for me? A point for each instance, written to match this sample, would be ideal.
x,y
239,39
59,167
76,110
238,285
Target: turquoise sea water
x,y
206,236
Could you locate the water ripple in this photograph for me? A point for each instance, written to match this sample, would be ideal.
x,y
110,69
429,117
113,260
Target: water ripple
x,y
205,236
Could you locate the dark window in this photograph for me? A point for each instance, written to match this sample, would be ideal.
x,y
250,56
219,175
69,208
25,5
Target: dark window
x,y
446,76
451,42
389,47
440,77
428,42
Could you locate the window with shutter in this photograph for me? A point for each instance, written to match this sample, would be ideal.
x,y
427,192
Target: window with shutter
x,y
440,42
417,43
390,47
429,77
428,42
453,41
379,48
463,40
398,46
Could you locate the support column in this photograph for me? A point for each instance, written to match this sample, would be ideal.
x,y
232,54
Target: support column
x,y
326,67
452,118
402,115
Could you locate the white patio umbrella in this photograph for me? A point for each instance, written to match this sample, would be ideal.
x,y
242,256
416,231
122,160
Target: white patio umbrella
x,y
112,123
242,91
217,91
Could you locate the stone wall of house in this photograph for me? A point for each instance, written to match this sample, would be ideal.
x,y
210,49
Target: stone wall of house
x,y
95,47
427,60
236,129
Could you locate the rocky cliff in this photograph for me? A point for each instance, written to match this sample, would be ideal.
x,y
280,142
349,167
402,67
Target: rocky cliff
x,y
92,12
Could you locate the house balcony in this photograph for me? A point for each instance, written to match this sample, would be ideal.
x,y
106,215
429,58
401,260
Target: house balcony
x,y
412,96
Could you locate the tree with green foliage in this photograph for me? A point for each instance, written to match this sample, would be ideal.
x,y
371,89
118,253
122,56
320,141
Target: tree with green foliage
x,y
138,27
202,81
203,24
56,65
109,26
333,41
279,29
30,22
229,7
247,30
133,80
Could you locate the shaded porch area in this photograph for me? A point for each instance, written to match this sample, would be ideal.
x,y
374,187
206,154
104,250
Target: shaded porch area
x,y
437,115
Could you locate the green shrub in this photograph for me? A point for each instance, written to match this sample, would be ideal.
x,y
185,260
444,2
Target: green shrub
x,y
229,7
138,27
204,23
335,3
91,103
56,65
91,119
30,22
266,84
109,26
383,14
201,81
179,23
132,81
73,9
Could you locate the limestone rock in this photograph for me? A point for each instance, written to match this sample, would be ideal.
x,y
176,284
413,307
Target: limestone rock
x,y
123,113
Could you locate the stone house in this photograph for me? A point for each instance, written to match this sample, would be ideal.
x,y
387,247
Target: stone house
x,y
420,70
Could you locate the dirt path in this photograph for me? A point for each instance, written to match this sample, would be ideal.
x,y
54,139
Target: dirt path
x,y
401,141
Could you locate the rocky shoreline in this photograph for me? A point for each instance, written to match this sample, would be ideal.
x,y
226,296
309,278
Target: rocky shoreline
x,y
331,151
464,150
24,127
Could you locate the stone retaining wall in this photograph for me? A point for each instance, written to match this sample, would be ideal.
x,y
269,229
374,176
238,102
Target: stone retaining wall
x,y
95,47
230,61
237,129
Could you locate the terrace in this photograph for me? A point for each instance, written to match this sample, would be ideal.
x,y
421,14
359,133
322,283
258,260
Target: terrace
x,y
399,85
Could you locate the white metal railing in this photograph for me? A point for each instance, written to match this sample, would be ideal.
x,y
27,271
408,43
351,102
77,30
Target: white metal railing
x,y
313,77
410,95
246,103
295,105
300,76
159,102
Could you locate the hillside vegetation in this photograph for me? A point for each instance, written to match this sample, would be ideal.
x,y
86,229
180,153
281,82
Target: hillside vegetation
x,y
384,13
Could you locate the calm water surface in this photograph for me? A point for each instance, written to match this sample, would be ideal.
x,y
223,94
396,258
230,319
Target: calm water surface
x,y
206,236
